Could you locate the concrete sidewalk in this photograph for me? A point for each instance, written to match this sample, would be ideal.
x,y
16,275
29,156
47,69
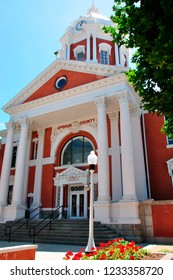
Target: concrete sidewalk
x,y
46,251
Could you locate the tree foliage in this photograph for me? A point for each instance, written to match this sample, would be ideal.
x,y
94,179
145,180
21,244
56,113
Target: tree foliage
x,y
147,26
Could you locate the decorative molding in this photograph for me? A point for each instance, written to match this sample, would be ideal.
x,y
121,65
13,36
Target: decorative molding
x,y
41,132
10,125
123,96
135,112
113,116
73,127
24,122
15,106
71,174
101,102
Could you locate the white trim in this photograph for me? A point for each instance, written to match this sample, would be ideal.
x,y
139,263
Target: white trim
x,y
105,47
51,71
79,49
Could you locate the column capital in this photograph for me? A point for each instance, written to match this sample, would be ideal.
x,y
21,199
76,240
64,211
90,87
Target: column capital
x,y
24,122
10,125
40,132
123,96
101,102
135,113
113,116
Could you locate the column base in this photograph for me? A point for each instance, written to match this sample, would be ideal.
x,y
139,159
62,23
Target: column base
x,y
128,212
12,213
102,211
129,198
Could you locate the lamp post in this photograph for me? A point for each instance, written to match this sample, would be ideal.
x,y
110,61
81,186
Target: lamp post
x,y
92,161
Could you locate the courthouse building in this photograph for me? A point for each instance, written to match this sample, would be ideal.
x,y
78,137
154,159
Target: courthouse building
x,y
82,102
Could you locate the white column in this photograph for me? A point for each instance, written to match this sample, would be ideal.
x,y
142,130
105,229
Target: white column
x,y
140,177
128,175
117,55
38,172
6,166
115,152
24,199
121,57
68,51
88,48
103,152
20,163
61,200
94,49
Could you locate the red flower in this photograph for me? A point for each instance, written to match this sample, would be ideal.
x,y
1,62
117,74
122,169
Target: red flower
x,y
132,258
69,253
111,253
122,249
76,258
93,248
103,257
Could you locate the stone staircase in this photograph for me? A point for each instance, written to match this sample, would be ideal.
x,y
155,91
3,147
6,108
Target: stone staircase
x,y
72,232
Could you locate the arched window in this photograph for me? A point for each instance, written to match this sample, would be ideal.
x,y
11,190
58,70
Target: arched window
x,y
79,52
105,51
76,150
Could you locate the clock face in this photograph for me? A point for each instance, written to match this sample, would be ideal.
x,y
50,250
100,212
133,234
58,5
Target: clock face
x,y
79,25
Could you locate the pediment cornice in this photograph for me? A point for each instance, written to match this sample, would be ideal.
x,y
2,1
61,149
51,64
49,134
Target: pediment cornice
x,y
109,81
57,65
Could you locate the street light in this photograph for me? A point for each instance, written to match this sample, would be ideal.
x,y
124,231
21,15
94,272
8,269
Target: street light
x,y
92,161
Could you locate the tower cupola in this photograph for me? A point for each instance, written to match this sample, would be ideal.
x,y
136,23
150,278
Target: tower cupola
x,y
85,41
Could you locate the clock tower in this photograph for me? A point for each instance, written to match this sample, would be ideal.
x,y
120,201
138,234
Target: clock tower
x,y
86,41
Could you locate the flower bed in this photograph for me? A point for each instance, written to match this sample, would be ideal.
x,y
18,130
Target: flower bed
x,y
118,249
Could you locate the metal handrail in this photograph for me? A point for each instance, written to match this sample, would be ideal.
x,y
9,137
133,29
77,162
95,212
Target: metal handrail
x,y
8,229
54,215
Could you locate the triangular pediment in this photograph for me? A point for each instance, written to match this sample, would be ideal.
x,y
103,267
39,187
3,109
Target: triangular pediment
x,y
71,173
77,73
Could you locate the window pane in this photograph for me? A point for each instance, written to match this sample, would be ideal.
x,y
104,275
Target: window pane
x,y
87,148
77,150
13,163
67,154
80,56
104,57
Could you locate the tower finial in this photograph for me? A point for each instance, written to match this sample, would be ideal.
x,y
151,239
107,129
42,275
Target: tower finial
x,y
93,9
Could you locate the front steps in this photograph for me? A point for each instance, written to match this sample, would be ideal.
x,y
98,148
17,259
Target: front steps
x,y
71,232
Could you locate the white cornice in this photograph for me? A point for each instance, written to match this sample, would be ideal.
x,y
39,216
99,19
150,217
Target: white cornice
x,y
100,84
92,68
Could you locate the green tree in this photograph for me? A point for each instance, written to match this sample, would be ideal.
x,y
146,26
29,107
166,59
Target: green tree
x,y
147,26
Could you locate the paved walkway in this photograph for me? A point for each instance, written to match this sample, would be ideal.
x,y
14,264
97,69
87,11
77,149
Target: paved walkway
x,y
58,251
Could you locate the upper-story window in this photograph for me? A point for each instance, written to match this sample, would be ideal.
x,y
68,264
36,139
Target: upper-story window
x,y
76,150
79,53
14,155
35,148
105,51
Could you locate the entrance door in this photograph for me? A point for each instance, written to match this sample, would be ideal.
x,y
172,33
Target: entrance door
x,y
77,202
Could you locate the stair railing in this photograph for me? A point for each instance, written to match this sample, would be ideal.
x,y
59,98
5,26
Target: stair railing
x,y
51,217
9,229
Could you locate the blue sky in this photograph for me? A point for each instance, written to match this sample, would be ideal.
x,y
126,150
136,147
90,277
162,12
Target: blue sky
x,y
29,35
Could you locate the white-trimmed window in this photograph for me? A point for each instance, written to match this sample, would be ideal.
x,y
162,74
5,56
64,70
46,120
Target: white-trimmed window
x,y
105,51
35,148
76,150
79,52
170,168
14,155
